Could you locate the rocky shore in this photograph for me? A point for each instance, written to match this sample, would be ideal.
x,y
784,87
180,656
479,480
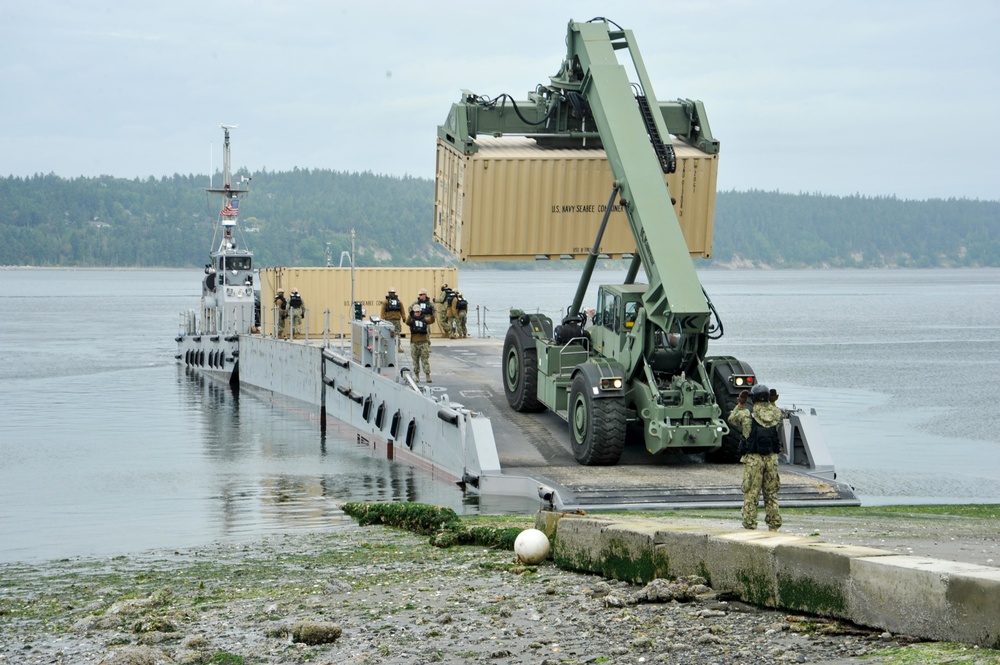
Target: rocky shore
x,y
381,595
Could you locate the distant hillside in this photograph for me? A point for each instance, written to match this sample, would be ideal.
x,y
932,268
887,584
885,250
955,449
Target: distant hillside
x,y
291,216
812,230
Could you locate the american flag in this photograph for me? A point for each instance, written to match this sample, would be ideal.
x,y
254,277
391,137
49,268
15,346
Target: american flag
x,y
232,208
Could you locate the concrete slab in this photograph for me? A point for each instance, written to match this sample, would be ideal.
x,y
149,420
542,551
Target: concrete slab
x,y
744,563
931,598
920,596
815,576
685,548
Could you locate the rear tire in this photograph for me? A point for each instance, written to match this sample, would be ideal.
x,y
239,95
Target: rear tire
x,y
596,426
520,374
729,452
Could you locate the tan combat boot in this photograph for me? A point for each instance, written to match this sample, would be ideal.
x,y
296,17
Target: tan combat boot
x,y
429,378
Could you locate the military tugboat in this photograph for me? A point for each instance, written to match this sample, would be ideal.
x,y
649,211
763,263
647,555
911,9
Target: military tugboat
x,y
209,341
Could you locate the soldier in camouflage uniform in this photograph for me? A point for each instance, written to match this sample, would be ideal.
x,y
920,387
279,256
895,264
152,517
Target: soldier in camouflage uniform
x,y
443,307
420,340
296,309
458,311
759,425
392,311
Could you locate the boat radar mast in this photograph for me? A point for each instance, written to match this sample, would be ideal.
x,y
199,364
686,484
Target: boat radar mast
x,y
229,213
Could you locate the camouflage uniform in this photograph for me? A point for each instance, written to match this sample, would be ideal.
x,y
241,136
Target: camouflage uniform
x,y
760,472
459,316
392,311
420,341
282,304
296,309
443,308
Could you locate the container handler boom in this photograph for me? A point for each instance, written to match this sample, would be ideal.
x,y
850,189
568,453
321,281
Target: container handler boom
x,y
644,360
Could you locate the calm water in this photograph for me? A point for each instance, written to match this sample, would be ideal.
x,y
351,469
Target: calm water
x,y
107,446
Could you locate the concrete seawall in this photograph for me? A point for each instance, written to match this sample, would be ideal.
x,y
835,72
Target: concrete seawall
x,y
928,598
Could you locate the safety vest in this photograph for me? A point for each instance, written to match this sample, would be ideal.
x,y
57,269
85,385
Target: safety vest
x,y
763,440
295,300
462,304
393,305
419,326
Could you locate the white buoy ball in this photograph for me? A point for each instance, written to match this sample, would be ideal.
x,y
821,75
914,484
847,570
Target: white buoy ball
x,y
531,547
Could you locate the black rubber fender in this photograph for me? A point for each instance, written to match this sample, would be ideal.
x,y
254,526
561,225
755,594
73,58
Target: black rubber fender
x,y
394,427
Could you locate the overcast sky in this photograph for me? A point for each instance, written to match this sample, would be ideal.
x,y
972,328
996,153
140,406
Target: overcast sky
x,y
878,97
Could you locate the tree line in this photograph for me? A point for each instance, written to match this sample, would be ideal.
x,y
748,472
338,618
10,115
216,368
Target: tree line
x,y
302,217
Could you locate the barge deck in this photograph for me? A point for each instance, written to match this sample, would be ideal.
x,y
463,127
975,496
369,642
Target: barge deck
x,y
536,445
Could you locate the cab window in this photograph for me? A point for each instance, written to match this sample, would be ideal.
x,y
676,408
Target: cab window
x,y
609,312
631,312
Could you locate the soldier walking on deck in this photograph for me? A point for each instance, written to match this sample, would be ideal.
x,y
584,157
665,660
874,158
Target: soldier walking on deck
x,y
426,306
282,304
297,309
458,312
441,302
759,425
392,311
420,340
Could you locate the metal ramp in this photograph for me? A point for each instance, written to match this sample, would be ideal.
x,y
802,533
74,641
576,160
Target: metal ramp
x,y
536,446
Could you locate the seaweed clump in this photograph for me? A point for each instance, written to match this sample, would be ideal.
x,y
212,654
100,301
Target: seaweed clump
x,y
443,525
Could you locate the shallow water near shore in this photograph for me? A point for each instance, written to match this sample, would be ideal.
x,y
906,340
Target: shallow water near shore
x,y
107,446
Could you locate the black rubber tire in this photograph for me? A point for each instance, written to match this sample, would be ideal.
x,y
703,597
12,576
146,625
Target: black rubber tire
x,y
728,453
520,374
596,426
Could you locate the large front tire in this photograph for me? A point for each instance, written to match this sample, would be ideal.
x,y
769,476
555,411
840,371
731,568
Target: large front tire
x,y
596,426
520,374
728,453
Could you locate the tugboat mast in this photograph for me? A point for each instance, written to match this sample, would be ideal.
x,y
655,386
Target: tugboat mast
x,y
230,209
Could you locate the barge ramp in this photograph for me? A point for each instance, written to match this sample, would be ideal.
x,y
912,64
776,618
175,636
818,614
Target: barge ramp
x,y
536,445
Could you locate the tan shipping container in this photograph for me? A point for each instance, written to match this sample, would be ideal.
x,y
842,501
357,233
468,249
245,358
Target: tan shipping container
x,y
330,288
513,200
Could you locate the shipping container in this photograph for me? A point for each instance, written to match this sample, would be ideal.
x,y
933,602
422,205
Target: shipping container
x,y
513,200
331,289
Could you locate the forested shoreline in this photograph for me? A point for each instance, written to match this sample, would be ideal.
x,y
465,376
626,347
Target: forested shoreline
x,y
295,217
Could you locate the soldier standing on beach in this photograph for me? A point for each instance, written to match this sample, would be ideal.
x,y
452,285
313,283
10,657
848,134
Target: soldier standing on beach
x,y
759,425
